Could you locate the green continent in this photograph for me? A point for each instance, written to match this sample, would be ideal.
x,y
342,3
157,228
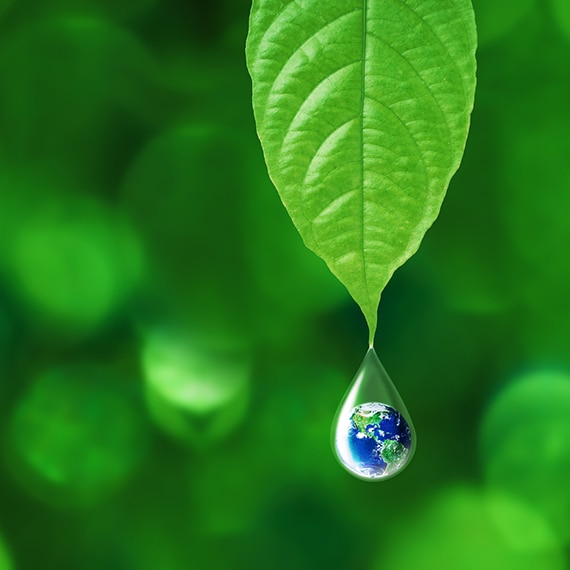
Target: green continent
x,y
362,419
392,451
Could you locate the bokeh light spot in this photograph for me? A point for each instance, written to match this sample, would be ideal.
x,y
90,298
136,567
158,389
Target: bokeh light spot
x,y
76,434
5,559
470,529
76,262
525,443
197,387
561,12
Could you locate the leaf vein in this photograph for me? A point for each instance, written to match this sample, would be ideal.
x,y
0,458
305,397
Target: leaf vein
x,y
309,99
423,82
323,143
296,50
445,49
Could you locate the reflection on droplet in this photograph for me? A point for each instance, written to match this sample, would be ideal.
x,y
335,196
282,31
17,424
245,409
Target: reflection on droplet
x,y
197,388
76,434
373,436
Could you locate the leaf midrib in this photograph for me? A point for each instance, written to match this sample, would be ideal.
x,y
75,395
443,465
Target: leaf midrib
x,y
362,102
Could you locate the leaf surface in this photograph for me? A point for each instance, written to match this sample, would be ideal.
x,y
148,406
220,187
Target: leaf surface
x,y
362,108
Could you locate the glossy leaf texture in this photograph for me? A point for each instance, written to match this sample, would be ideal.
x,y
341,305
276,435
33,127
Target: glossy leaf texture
x,y
362,108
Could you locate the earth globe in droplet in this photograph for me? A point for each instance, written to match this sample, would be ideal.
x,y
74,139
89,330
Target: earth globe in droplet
x,y
379,440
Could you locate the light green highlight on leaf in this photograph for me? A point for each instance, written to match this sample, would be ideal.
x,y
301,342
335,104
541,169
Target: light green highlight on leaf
x,y
362,108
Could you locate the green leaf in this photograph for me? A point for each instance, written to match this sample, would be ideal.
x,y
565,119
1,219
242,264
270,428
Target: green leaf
x,y
362,108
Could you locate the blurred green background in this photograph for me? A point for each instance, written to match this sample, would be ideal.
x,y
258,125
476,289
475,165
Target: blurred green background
x,y
171,356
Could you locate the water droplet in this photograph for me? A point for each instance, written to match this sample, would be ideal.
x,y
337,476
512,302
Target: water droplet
x,y
372,434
